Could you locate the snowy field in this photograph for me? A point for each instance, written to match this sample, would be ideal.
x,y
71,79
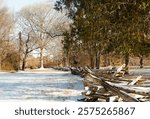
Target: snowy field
x,y
46,84
145,72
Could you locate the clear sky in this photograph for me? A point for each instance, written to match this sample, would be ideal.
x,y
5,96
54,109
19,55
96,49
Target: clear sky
x,y
16,5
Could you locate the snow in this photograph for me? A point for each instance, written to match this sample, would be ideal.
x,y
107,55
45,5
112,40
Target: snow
x,y
47,84
139,71
40,84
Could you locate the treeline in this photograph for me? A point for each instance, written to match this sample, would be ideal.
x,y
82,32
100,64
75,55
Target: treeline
x,y
104,28
91,32
35,30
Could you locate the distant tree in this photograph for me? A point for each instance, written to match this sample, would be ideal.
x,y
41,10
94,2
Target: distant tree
x,y
6,26
10,57
141,50
27,44
90,27
101,24
128,19
45,23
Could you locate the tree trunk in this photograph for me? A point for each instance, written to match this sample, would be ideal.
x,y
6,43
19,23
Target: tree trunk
x,y
92,62
126,58
0,64
141,62
67,61
24,62
97,60
104,60
23,65
41,58
20,50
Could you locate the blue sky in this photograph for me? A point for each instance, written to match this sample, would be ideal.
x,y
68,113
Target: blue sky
x,y
16,5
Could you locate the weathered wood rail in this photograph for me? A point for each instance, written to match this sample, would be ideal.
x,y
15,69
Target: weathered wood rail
x,y
111,88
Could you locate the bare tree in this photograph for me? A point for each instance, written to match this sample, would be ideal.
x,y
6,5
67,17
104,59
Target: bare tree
x,y
27,44
45,23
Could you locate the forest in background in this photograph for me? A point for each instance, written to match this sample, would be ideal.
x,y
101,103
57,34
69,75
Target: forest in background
x,y
76,33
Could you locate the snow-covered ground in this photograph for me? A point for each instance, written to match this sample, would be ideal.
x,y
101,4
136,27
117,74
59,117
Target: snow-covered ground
x,y
46,84
139,71
39,84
